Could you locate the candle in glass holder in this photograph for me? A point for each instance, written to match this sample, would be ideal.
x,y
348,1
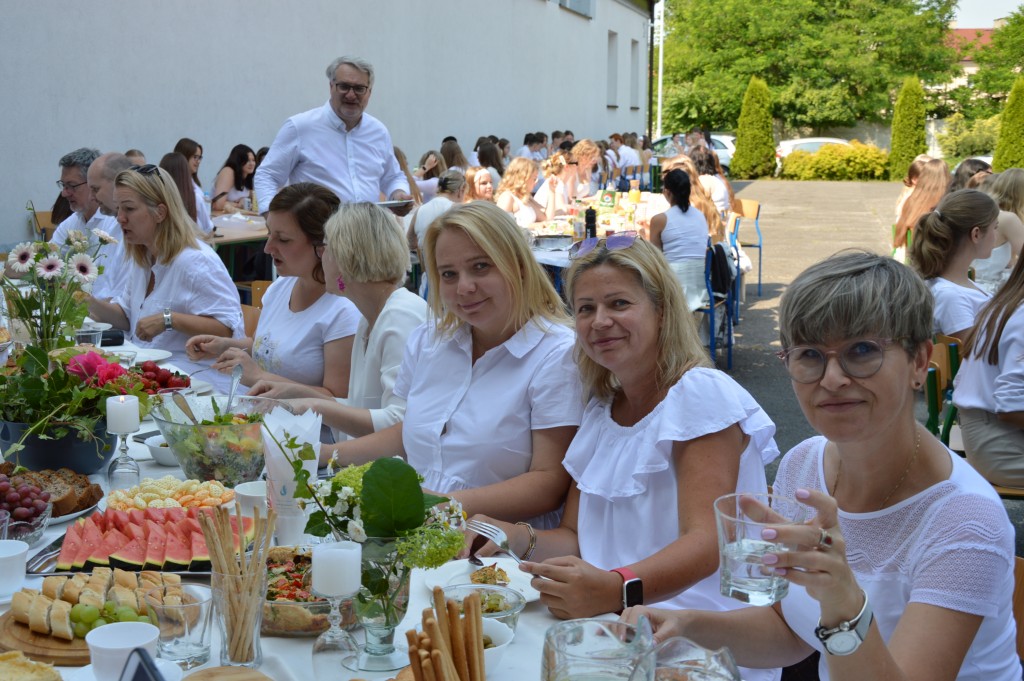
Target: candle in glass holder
x,y
122,414
337,568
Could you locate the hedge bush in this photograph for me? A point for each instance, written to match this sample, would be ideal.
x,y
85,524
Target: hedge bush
x,y
1010,147
908,134
755,144
962,139
838,162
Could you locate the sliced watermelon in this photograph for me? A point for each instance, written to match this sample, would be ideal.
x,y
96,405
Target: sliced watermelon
x,y
92,538
121,521
69,548
113,539
131,556
136,531
200,554
174,514
177,556
100,520
157,515
155,547
190,526
248,525
110,518
136,516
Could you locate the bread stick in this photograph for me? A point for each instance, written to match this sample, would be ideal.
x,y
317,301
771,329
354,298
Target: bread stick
x,y
458,641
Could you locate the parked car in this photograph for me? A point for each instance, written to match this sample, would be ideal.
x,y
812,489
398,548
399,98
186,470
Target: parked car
x,y
808,144
724,146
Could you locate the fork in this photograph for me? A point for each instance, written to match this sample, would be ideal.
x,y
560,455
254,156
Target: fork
x,y
495,534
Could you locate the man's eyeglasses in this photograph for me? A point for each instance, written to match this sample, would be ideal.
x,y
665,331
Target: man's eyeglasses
x,y
319,248
67,185
343,88
859,359
615,242
148,169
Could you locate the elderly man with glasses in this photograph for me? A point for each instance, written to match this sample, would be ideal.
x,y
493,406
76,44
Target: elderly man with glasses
x,y
336,145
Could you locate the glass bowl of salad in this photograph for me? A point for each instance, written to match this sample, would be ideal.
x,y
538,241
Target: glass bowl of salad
x,y
498,603
227,447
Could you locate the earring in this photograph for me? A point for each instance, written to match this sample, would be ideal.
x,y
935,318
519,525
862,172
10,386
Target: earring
x,y
341,283
917,385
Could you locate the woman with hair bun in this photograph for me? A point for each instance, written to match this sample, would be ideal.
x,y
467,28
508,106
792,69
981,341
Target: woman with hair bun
x,y
451,189
682,234
962,228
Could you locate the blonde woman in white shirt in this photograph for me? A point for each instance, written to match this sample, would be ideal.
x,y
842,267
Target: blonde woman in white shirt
x,y
304,335
365,259
493,394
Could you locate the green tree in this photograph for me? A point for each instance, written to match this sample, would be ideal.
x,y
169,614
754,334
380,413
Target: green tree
x,y
1010,147
825,63
1001,59
908,135
755,144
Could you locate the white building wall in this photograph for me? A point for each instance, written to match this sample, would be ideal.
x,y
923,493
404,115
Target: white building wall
x,y
115,75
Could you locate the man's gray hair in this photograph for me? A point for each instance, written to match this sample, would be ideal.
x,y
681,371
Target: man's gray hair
x,y
80,158
355,62
113,163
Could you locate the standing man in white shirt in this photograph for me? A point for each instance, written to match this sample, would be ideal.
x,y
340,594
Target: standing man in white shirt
x,y
336,145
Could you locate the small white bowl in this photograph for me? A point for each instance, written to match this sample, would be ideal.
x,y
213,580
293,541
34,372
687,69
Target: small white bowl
x,y
501,637
162,454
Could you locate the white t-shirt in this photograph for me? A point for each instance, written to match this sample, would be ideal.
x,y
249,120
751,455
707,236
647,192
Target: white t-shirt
x,y
116,266
996,388
988,272
628,156
717,190
950,545
291,344
956,306
685,236
427,213
202,210
626,476
470,424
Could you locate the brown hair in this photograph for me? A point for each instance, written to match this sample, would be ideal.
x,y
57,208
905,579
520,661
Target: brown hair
x,y
311,205
930,188
942,232
177,166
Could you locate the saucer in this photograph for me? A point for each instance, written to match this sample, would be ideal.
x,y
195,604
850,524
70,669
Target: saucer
x,y
169,670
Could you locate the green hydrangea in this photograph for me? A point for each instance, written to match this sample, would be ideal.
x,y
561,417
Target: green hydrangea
x,y
429,546
351,476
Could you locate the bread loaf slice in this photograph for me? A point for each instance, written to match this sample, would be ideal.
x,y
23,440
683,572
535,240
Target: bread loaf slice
x,y
39,614
73,588
14,666
60,621
21,602
53,587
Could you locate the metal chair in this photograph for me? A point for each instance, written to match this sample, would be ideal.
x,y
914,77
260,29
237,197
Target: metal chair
x,y
751,210
718,303
732,233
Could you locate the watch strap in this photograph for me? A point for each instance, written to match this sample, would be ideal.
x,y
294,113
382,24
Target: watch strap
x,y
168,322
857,627
626,573
632,585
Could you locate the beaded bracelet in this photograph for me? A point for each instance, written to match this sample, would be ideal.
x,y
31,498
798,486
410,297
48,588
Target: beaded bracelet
x,y
533,541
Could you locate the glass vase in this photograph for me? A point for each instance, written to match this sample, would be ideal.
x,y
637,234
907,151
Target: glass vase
x,y
380,606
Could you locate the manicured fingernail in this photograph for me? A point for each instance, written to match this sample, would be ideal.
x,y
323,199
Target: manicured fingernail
x,y
769,559
781,572
802,493
769,533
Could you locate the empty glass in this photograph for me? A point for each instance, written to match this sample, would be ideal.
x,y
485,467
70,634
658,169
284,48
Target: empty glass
x,y
184,617
597,649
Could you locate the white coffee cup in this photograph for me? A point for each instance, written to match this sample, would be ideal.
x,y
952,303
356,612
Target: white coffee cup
x,y
110,645
252,495
13,554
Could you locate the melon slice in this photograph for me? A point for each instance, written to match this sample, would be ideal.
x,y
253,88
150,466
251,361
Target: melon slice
x,y
69,548
156,540
130,557
200,554
177,556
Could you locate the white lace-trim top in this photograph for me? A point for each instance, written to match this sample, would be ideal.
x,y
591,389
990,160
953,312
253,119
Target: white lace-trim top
x,y
950,546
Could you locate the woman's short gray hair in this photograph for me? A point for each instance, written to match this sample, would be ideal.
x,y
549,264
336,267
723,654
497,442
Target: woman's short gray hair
x,y
367,243
854,294
356,63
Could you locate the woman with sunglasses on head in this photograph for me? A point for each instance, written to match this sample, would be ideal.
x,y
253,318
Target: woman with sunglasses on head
x,y
906,570
493,397
179,287
303,335
663,435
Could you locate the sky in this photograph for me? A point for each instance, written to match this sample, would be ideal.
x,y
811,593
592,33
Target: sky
x,y
981,13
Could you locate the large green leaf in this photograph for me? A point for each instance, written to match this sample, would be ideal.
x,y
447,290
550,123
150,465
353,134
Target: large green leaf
x,y
391,499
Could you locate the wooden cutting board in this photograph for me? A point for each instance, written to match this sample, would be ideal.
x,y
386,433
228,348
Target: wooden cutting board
x,y
17,636
228,673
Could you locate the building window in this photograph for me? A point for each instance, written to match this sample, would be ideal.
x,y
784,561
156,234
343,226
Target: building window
x,y
613,69
581,7
634,74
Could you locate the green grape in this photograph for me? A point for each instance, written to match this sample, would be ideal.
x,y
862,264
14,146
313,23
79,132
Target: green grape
x,y
80,629
126,614
109,608
99,623
145,618
76,612
88,614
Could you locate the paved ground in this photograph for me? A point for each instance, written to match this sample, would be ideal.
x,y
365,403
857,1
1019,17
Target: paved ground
x,y
803,222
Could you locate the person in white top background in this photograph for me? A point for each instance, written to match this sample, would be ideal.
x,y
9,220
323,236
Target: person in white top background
x,y
365,259
961,229
906,570
625,155
1007,190
336,145
303,335
493,396
116,266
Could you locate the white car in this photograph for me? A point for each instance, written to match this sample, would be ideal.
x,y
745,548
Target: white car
x,y
724,146
808,144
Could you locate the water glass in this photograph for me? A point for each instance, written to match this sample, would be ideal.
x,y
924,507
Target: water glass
x,y
184,617
88,335
239,605
597,649
740,519
5,519
125,358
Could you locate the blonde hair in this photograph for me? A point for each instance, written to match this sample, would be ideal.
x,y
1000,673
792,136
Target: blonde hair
x,y
679,345
942,232
403,163
1007,188
174,233
367,243
517,176
501,239
471,176
555,164
586,149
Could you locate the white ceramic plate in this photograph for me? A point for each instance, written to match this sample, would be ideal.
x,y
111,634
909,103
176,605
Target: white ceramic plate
x,y
71,516
458,571
201,387
169,670
151,355
97,326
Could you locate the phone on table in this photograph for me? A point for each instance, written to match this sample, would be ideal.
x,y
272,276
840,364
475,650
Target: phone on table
x,y
140,667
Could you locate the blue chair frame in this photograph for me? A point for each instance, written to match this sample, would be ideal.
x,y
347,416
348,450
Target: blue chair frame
x,y
714,300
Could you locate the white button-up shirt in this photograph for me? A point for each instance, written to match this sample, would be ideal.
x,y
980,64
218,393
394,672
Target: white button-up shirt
x,y
314,146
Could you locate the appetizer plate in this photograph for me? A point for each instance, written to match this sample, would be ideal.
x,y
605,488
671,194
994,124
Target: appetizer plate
x,y
169,670
458,572
71,516
151,355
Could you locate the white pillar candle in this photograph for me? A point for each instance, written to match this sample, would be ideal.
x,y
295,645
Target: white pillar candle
x,y
122,414
337,568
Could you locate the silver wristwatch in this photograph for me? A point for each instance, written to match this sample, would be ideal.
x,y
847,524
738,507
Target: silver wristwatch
x,y
167,319
846,637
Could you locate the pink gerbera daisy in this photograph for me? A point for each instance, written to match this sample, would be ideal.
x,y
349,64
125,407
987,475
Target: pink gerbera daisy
x,y
20,258
50,267
84,267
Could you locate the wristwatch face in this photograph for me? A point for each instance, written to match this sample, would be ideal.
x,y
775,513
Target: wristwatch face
x,y
633,593
843,642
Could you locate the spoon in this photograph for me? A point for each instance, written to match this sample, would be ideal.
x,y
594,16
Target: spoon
x,y
182,403
236,378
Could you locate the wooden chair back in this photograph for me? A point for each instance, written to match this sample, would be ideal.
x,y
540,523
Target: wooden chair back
x,y
749,208
251,316
940,359
259,287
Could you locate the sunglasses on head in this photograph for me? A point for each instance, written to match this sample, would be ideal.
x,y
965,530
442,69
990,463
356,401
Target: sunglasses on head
x,y
615,242
148,169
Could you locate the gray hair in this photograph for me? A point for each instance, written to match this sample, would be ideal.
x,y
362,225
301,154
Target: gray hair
x,y
80,158
854,294
113,163
355,62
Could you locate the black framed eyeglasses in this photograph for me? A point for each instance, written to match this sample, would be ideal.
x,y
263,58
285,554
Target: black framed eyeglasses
x,y
148,169
319,248
615,242
67,185
859,359
359,90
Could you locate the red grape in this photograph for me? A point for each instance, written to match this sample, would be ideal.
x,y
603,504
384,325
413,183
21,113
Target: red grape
x,y
5,487
39,506
13,497
21,513
45,496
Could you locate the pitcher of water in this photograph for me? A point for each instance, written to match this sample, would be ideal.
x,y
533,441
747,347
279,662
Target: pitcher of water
x,y
680,659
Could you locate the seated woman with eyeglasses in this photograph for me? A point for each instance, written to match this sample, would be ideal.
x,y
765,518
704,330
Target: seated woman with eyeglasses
x,y
180,288
303,335
906,572
663,435
493,397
